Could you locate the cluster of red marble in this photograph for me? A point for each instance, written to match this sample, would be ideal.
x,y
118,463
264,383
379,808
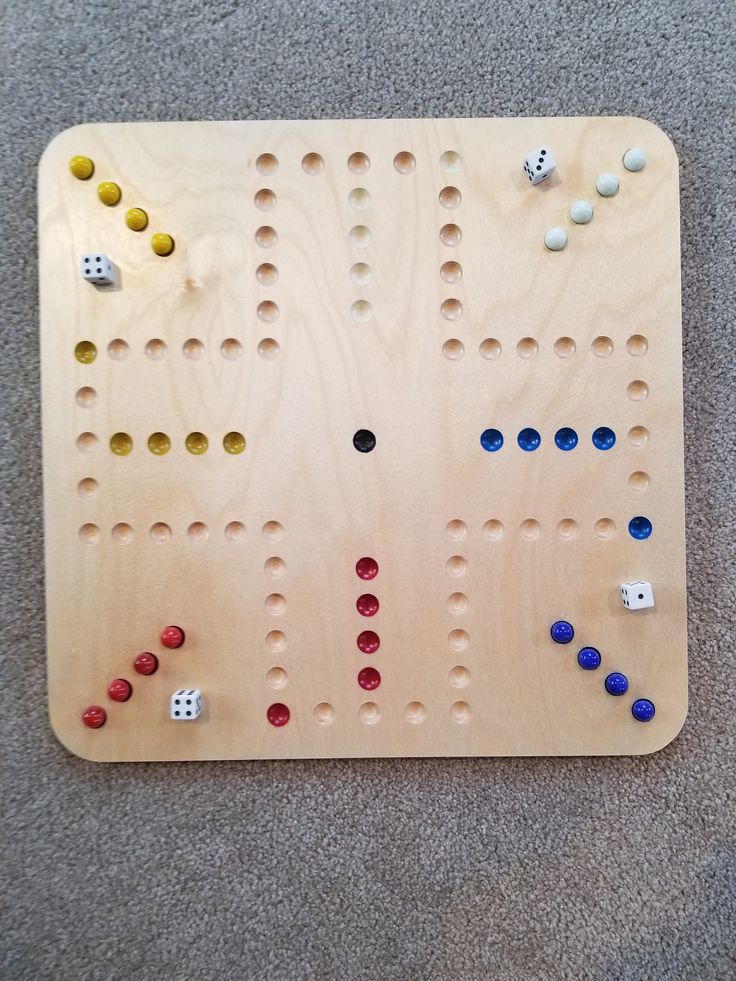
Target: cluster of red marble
x,y
120,690
368,640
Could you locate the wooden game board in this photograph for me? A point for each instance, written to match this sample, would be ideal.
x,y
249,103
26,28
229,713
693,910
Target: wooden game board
x,y
314,292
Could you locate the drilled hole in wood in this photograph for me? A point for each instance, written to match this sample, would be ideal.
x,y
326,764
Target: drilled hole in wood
x,y
567,529
457,603
638,435
602,347
88,488
451,272
460,712
637,345
456,530
86,442
312,164
530,529
274,567
456,566
404,162
198,532
89,534
453,349
275,604
269,349
459,640
266,237
267,274
359,199
361,311
276,677
160,533
324,713
527,348
265,199
564,347
360,236
359,163
493,530
86,397
267,164
639,481
118,349
156,349
235,531
450,197
459,676
193,349
450,235
122,533
451,309
272,531
450,161
360,274
605,528
369,713
415,713
231,349
490,349
637,390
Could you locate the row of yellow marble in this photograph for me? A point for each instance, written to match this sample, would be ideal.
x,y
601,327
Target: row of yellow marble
x,y
110,194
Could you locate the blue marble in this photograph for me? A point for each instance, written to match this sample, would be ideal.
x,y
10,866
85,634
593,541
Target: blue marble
x,y
617,683
643,710
589,658
561,632
566,438
491,440
529,439
603,438
640,527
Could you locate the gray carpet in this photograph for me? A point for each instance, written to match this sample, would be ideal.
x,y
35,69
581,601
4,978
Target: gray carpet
x,y
620,868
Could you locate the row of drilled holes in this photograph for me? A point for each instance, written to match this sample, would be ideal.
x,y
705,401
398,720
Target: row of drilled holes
x,y
528,347
198,532
193,349
358,162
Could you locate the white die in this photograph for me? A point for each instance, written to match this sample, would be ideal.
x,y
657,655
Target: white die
x,y
539,164
186,704
637,595
98,269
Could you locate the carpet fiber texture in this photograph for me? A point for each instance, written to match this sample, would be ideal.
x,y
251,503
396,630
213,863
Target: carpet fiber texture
x,y
519,869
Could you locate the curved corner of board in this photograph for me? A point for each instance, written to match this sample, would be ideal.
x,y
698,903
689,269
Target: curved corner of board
x,y
70,141
669,735
652,130
79,744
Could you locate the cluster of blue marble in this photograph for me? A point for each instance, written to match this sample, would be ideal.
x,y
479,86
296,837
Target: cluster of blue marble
x,y
589,659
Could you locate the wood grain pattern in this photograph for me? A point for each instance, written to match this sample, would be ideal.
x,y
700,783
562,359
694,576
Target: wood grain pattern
x,y
478,552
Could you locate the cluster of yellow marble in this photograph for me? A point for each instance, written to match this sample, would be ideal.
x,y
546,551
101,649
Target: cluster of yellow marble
x,y
110,194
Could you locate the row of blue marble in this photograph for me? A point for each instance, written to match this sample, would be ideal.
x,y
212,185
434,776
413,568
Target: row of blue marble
x,y
529,439
589,658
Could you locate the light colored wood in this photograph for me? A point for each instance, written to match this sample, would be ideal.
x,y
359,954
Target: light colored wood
x,y
618,277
